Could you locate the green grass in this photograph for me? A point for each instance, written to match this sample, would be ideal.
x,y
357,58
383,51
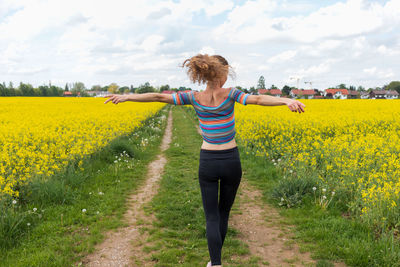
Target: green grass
x,y
325,233
178,237
60,233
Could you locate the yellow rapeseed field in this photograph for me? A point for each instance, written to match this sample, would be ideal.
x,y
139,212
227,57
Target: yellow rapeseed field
x,y
39,135
350,144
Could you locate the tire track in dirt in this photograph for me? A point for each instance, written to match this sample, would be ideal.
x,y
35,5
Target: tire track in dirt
x,y
260,228
124,247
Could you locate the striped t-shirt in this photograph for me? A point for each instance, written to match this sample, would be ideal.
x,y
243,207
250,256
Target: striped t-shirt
x,y
217,124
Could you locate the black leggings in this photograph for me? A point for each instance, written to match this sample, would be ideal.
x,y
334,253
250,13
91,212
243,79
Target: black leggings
x,y
215,165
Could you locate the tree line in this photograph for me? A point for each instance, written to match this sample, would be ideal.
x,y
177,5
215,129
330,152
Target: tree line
x,y
79,88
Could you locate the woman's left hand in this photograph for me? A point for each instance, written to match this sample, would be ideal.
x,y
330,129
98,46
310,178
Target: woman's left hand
x,y
295,105
116,98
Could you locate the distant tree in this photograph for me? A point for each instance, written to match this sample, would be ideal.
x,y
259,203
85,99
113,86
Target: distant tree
x,y
56,91
394,85
113,88
26,89
286,90
44,90
352,88
96,88
36,92
273,87
10,85
253,90
123,89
66,87
145,88
360,88
164,88
78,87
341,86
261,83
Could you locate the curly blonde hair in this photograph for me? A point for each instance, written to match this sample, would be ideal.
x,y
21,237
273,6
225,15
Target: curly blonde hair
x,y
203,68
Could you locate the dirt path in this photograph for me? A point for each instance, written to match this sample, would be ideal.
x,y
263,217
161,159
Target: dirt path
x,y
124,247
260,228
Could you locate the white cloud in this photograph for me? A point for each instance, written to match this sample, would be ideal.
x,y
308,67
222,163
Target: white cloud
x,y
282,57
207,50
146,40
370,70
387,73
336,21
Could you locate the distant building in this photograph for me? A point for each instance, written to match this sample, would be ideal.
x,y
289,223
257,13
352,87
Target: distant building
x,y
69,94
364,95
272,92
353,94
383,94
98,93
336,93
297,93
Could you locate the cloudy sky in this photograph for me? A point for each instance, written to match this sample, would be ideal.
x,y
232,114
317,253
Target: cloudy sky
x,y
356,42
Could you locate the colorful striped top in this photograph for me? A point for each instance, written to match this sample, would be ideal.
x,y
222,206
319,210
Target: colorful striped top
x,y
217,124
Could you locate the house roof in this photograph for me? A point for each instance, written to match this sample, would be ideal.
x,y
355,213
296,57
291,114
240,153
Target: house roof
x,y
379,92
335,90
351,92
385,92
303,92
271,91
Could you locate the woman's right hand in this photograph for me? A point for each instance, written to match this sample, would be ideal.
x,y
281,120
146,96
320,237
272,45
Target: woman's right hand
x,y
116,98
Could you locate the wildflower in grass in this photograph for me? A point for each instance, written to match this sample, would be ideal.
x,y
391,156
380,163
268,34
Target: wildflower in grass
x,y
29,224
34,209
14,202
83,210
324,190
314,188
101,193
97,212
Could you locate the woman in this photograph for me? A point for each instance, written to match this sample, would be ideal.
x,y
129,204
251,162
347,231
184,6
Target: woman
x,y
219,156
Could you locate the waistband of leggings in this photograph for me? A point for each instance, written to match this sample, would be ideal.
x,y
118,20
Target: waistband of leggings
x,y
224,151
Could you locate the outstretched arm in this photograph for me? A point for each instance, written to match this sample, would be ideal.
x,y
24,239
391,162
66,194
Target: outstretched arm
x,y
147,97
267,100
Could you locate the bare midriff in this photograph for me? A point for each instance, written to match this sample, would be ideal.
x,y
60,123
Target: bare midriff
x,y
208,146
